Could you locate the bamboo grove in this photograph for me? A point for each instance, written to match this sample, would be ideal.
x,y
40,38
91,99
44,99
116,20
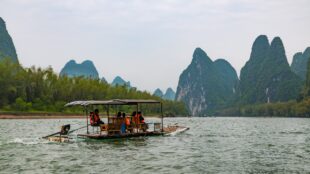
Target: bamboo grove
x,y
42,90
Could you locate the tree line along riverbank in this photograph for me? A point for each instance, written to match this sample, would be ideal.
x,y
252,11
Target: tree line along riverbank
x,y
38,90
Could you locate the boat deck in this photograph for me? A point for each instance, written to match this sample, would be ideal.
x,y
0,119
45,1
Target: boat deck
x,y
124,135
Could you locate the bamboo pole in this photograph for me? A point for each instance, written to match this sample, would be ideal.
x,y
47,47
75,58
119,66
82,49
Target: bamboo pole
x,y
162,117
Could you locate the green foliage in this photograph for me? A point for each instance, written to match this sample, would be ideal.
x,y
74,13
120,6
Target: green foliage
x,y
37,89
21,105
11,80
172,108
283,109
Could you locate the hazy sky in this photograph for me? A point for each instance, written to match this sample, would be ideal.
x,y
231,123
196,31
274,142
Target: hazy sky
x,y
150,42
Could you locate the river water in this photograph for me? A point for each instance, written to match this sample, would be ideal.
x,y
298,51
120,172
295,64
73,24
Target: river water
x,y
212,145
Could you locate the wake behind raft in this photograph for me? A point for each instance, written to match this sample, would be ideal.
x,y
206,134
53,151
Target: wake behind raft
x,y
118,126
61,136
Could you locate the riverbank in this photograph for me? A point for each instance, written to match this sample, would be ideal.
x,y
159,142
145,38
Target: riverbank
x,y
283,109
41,116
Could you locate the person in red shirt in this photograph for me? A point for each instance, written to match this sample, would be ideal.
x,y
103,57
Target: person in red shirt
x,y
95,119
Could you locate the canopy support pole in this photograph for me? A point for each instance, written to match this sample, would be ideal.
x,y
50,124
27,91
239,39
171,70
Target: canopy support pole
x,y
108,114
137,110
162,117
86,113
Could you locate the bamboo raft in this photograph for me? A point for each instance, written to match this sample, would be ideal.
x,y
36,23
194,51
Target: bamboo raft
x,y
115,126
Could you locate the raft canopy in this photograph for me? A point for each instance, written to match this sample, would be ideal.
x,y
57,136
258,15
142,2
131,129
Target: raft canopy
x,y
111,102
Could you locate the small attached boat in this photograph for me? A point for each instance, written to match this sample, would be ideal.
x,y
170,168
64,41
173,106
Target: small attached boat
x,y
174,130
61,136
119,126
61,139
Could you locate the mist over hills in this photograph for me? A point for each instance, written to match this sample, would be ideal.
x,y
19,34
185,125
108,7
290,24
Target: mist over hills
x,y
206,85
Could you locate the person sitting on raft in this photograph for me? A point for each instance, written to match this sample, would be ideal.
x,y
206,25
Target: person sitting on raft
x,y
123,124
123,115
127,119
144,126
119,115
95,119
141,118
133,116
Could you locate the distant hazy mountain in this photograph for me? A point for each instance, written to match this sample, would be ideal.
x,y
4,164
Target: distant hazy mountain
x,y
120,82
7,48
300,62
169,95
85,69
266,76
158,93
206,85
103,80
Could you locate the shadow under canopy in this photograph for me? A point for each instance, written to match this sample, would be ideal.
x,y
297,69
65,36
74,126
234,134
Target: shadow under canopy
x,y
111,131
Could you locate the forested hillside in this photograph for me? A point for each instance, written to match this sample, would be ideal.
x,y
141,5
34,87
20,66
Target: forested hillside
x,y
299,107
266,76
206,85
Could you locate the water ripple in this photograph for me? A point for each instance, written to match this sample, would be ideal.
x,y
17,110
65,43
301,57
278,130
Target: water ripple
x,y
212,145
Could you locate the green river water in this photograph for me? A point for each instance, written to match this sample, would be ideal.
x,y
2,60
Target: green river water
x,y
212,145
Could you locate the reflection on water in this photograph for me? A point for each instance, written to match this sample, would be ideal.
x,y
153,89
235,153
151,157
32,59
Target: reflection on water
x,y
212,145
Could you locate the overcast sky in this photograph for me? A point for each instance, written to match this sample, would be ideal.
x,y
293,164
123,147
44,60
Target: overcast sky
x,y
150,42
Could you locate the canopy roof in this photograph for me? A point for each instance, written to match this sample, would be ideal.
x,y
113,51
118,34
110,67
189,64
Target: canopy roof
x,y
111,102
